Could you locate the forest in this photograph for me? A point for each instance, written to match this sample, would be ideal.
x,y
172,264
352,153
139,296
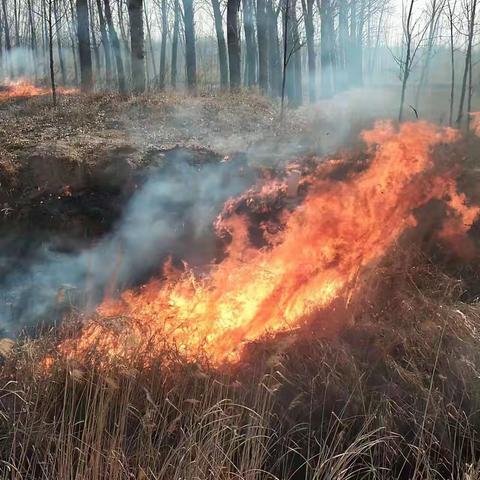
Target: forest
x,y
239,240
297,51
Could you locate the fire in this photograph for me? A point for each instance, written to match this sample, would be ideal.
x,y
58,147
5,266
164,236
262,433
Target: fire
x,y
341,227
24,89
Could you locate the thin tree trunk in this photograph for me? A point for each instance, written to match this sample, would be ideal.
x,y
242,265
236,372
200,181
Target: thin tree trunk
x,y
105,43
135,13
326,47
163,47
233,42
471,31
452,66
176,28
72,42
222,47
149,35
250,50
59,41
407,63
50,50
86,78
190,49
263,45
286,14
8,45
115,47
33,37
94,45
274,60
307,7
297,58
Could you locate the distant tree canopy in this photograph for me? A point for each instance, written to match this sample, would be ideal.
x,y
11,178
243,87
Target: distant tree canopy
x,y
299,49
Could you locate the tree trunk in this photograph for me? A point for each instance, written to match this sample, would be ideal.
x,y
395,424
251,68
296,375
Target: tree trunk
x,y
407,63
190,49
471,32
250,50
8,45
33,37
59,41
50,51
115,47
263,46
176,27
297,58
73,43
233,41
94,45
105,43
274,59
326,47
83,34
307,7
222,47
163,48
452,65
135,14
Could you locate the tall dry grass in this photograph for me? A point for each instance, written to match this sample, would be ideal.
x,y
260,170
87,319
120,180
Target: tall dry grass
x,y
395,394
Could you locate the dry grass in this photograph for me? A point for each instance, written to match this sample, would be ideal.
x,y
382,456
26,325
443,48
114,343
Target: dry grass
x,y
394,395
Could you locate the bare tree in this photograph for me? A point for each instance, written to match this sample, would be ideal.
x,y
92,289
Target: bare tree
x,y
470,12
83,34
233,42
263,45
163,47
450,16
115,47
222,47
435,9
190,51
176,27
413,34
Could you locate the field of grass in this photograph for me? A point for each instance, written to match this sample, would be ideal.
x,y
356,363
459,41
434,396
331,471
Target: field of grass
x,y
395,394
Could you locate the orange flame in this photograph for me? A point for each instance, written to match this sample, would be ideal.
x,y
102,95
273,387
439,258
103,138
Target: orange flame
x,y
341,227
22,88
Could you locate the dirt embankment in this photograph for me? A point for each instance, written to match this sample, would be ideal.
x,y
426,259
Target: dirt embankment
x,y
86,156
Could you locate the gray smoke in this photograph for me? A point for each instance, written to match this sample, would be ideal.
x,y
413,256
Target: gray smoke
x,y
172,213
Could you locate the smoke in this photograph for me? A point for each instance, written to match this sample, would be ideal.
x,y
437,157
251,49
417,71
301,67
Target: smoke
x,y
172,211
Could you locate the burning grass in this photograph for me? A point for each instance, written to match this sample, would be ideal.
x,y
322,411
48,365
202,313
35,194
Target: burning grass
x,y
393,395
391,391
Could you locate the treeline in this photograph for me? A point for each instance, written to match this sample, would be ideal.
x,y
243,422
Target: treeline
x,y
285,47
297,49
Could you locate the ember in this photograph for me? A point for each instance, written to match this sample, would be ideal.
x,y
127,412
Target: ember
x,y
341,227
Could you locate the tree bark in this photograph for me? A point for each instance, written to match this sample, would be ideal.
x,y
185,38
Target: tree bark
x,y
105,43
274,59
176,27
263,46
233,42
135,14
83,34
326,47
307,7
471,32
190,49
250,50
115,47
61,60
50,51
222,47
163,47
